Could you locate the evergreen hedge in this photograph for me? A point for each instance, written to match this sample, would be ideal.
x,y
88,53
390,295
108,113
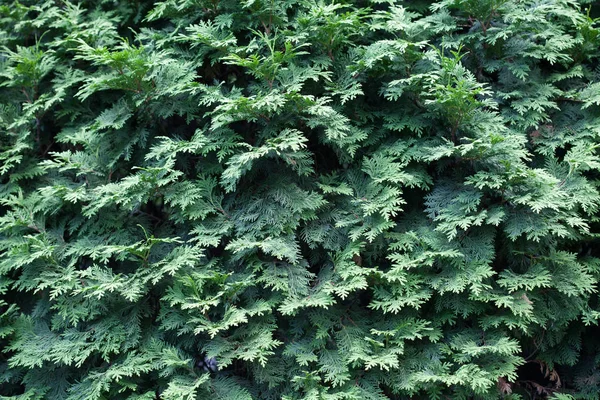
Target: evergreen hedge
x,y
299,199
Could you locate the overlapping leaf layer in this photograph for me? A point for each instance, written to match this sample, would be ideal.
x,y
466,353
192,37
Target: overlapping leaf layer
x,y
299,199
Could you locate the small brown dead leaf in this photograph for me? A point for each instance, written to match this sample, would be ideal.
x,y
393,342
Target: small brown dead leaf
x,y
526,299
504,386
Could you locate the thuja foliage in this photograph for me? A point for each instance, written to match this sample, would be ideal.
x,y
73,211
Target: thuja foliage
x,y
299,199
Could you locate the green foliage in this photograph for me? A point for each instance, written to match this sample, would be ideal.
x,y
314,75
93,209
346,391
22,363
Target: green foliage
x,y
328,199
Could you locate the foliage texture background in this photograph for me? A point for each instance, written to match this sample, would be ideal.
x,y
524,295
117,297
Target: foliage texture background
x,y
329,199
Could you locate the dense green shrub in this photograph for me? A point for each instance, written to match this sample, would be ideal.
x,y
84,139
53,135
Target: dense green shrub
x,y
299,199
